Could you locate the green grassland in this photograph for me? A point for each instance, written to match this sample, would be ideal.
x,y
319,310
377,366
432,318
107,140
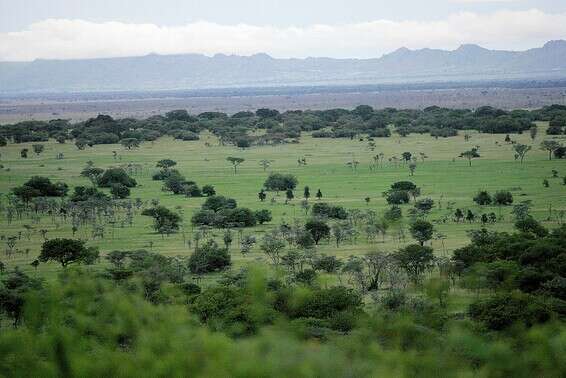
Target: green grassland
x,y
442,176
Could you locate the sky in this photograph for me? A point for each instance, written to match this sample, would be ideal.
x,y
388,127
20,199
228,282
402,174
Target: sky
x,y
74,29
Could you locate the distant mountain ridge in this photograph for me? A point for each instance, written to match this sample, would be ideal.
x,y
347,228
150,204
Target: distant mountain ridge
x,y
195,71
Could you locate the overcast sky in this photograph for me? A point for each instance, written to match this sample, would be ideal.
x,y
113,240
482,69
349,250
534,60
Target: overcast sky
x,y
61,29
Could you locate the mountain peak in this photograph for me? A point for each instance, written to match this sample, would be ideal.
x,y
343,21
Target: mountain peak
x,y
263,56
399,52
559,43
470,47
193,71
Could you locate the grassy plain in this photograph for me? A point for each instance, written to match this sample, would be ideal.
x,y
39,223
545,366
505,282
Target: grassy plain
x,y
442,176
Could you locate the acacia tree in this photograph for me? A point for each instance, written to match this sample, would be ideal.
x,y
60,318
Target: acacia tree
x,y
272,245
265,163
235,161
130,143
550,146
470,154
67,251
521,150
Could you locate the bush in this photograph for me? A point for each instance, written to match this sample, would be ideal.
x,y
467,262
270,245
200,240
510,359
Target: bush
x,y
263,216
324,210
39,186
119,191
239,217
483,198
503,198
82,193
164,220
186,135
209,257
530,225
322,134
164,174
326,303
208,190
397,197
175,182
425,204
280,182
116,176
503,310
217,203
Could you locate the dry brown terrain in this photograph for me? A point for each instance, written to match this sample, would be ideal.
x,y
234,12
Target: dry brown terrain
x,y
79,108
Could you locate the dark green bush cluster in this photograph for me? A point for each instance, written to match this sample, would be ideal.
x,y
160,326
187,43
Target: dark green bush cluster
x,y
325,210
39,186
532,262
219,211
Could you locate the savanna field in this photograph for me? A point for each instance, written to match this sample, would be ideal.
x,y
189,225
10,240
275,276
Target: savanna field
x,y
442,176
363,293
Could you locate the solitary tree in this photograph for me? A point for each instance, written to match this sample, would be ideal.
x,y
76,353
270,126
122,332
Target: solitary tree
x,y
307,193
130,143
319,195
261,195
412,167
279,182
265,163
470,154
164,220
422,231
235,161
521,150
289,195
318,229
67,251
550,146
533,132
38,148
483,198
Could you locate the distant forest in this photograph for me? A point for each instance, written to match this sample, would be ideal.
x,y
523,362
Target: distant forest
x,y
238,129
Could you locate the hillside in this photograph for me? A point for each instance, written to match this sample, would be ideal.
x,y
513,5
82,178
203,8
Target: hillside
x,y
193,71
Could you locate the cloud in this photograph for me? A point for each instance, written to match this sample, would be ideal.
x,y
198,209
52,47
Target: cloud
x,y
71,39
481,1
